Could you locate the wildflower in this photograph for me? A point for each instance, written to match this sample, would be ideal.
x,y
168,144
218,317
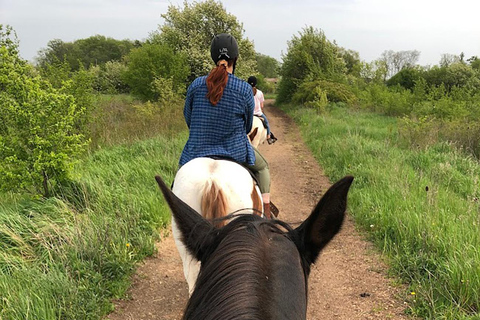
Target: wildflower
x,y
413,293
128,245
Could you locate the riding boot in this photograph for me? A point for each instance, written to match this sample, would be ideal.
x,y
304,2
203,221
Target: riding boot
x,y
272,138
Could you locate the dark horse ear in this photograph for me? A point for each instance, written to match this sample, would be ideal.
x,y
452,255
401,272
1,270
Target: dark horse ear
x,y
324,222
193,227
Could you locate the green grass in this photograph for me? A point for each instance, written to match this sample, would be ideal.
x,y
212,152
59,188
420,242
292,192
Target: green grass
x,y
120,119
420,207
270,95
68,256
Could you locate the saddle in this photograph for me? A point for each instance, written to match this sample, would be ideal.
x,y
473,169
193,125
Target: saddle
x,y
242,164
263,121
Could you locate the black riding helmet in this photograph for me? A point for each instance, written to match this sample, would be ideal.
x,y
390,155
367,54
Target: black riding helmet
x,y
224,47
252,81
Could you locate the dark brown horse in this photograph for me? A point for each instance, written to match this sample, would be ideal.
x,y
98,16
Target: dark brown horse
x,y
254,268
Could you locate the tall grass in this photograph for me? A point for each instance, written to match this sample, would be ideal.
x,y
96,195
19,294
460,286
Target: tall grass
x,y
66,257
120,119
420,206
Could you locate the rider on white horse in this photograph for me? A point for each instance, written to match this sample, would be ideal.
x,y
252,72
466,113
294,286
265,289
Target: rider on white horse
x,y
258,111
219,113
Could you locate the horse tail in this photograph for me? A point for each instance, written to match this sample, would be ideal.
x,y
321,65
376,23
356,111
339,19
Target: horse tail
x,y
214,203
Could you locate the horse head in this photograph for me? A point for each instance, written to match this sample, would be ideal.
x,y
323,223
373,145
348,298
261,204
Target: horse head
x,y
253,267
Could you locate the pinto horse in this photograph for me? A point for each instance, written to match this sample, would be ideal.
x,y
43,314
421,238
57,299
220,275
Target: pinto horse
x,y
258,134
254,268
214,189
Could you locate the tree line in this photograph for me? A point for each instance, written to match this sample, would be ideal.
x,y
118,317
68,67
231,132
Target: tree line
x,y
441,100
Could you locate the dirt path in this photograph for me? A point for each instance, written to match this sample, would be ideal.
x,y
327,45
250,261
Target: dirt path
x,y
347,283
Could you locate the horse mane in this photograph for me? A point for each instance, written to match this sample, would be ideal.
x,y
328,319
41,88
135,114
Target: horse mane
x,y
214,203
224,289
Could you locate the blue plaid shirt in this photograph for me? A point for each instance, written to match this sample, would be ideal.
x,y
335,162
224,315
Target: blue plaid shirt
x,y
219,130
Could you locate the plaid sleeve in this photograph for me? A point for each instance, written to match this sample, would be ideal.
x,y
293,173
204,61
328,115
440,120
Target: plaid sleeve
x,y
187,110
250,107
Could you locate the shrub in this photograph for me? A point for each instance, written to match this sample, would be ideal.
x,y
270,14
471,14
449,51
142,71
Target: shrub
x,y
108,77
151,62
390,101
406,78
78,84
335,92
310,56
38,136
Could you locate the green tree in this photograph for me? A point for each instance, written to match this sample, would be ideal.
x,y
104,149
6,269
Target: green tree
x,y
458,74
109,77
397,60
310,56
39,140
407,77
190,30
267,66
353,64
374,71
78,83
95,50
474,62
152,62
448,59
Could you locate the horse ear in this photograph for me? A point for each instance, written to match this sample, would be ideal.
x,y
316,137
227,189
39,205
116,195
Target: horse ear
x,y
324,222
193,227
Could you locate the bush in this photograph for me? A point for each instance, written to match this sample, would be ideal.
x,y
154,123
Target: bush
x,y
152,62
406,78
334,92
394,101
108,77
78,84
310,56
39,139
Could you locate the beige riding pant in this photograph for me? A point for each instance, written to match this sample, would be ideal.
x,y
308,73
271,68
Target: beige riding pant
x,y
261,171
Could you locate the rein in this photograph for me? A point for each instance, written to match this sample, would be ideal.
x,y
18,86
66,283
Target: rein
x,y
232,214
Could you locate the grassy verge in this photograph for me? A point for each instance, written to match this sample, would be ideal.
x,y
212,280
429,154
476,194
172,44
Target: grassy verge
x,y
420,207
68,256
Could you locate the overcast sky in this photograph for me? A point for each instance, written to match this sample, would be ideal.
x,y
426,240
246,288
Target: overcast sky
x,y
370,27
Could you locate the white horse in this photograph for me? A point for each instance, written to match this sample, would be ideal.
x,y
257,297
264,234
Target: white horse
x,y
213,188
258,134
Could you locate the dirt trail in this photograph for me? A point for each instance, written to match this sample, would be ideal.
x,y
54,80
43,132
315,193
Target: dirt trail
x,y
348,281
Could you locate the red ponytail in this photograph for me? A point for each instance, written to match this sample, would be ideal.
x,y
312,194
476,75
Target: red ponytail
x,y
217,81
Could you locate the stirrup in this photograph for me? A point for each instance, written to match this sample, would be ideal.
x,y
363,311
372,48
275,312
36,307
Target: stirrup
x,y
273,209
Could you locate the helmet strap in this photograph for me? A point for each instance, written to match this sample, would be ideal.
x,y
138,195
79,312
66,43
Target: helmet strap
x,y
234,65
